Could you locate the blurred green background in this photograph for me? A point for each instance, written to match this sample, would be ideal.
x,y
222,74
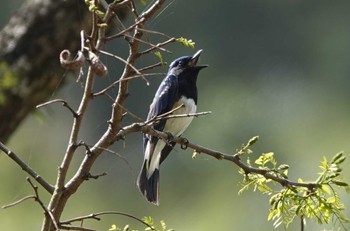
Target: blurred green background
x,y
278,69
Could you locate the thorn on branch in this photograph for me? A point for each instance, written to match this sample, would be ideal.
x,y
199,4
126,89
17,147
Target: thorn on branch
x,y
90,176
87,147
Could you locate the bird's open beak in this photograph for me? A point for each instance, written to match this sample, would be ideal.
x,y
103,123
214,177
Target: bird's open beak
x,y
194,60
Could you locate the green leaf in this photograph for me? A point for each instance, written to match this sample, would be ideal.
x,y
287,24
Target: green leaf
x,y
148,220
265,158
283,167
186,42
340,183
326,189
160,57
338,158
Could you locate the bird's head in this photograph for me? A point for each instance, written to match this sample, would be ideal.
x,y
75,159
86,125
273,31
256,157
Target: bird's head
x,y
186,63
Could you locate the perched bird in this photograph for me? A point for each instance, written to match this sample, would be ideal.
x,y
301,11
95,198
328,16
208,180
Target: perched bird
x,y
177,88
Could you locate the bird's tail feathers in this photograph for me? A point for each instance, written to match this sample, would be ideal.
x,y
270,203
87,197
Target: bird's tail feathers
x,y
149,186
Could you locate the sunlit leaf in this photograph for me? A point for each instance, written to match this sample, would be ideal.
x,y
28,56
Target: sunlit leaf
x,y
113,227
186,42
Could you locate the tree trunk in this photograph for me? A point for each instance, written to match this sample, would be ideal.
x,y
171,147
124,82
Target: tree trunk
x,y
30,45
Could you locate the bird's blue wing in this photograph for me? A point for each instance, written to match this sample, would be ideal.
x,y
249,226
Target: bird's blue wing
x,y
163,101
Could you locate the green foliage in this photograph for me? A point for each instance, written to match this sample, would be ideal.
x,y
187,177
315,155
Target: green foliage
x,y
318,200
94,8
160,57
186,42
143,2
8,79
245,147
149,221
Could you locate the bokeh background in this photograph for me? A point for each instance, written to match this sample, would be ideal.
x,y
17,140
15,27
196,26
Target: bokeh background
x,y
278,69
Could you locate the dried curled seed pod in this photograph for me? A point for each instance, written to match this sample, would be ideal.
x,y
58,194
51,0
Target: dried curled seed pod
x,y
69,63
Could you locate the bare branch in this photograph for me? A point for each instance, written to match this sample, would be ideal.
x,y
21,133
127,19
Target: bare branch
x,y
184,115
122,60
161,116
126,63
153,46
90,176
64,103
235,158
153,66
158,46
123,32
37,199
96,216
75,228
103,91
18,202
49,188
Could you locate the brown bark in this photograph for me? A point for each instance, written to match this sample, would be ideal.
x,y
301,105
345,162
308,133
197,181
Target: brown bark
x,y
29,52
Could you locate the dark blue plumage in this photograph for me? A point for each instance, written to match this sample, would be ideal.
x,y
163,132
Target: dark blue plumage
x,y
177,88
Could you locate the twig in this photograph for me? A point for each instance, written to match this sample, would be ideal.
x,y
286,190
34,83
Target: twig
x,y
118,155
126,63
185,115
122,60
18,202
96,217
75,228
161,116
159,64
153,46
156,32
64,103
122,33
37,199
126,79
133,9
302,223
158,46
90,176
49,188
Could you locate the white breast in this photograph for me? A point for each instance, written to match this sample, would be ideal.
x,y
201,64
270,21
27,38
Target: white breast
x,y
177,126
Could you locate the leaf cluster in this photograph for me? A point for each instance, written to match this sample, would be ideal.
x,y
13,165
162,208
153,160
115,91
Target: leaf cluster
x,y
149,221
318,200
